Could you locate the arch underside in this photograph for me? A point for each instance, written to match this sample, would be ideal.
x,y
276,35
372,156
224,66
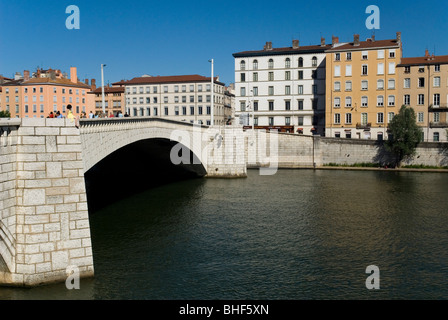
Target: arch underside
x,y
135,168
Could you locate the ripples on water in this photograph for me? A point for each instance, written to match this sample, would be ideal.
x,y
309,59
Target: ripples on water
x,y
296,235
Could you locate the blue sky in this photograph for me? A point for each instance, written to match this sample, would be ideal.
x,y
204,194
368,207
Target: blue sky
x,y
179,37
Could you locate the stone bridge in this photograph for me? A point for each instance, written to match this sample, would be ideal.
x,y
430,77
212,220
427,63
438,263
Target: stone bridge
x,y
44,211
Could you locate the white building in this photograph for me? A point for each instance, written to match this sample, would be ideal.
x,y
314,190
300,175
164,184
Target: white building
x,y
182,98
282,88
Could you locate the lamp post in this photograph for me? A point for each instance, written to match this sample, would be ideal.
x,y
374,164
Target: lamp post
x,y
102,89
212,120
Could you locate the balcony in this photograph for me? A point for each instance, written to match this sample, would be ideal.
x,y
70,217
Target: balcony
x,y
442,107
435,125
364,126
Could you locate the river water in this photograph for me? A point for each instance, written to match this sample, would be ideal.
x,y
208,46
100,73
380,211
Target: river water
x,y
300,234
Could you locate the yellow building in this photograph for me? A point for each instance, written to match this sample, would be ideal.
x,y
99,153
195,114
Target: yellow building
x,y
423,85
362,92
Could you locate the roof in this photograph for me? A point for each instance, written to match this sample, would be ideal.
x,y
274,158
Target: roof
x,y
283,51
109,90
168,79
65,82
426,60
365,45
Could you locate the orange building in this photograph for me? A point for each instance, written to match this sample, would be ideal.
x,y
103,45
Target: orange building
x,y
362,90
113,97
48,91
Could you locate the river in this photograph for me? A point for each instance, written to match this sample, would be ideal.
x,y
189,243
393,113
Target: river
x,y
297,235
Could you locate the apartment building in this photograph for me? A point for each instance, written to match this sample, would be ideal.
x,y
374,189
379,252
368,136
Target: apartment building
x,y
362,93
423,85
47,91
282,88
182,98
114,99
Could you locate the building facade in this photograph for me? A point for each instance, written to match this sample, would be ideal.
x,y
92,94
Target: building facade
x,y
114,100
362,90
282,88
423,85
44,93
181,98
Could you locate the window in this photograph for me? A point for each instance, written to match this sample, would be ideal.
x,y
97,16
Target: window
x,y
391,101
380,54
300,104
191,99
192,110
300,88
255,91
390,117
255,76
287,90
271,105
287,105
337,71
436,82
337,102
271,64
300,75
365,55
407,83
380,117
166,111
300,62
243,65
287,75
184,88
314,62
364,85
271,121
421,117
256,121
200,88
391,84
380,101
436,137
337,118
243,77
288,63
436,117
407,100
192,88
337,57
288,121
271,91
380,68
364,69
255,64
348,86
348,118
348,70
437,68
271,76
380,84
337,86
200,110
349,56
421,99
348,102
255,105
392,53
364,119
392,68
364,101
436,100
300,121
184,110
176,89
407,69
243,92
421,82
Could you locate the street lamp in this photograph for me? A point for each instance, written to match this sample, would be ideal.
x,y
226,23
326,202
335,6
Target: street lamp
x,y
102,88
212,120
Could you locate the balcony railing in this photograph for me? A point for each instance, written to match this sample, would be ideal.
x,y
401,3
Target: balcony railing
x,y
438,125
363,125
441,107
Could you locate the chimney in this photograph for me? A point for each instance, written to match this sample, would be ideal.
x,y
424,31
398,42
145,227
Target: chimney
x,y
426,53
93,84
322,42
268,46
373,38
73,75
295,44
334,40
356,40
26,75
399,37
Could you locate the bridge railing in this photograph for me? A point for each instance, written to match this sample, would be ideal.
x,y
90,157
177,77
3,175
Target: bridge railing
x,y
8,131
130,120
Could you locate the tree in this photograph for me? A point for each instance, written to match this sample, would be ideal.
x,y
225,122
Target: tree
x,y
5,114
404,135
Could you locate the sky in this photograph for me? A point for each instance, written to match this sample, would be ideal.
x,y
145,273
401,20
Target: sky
x,y
166,38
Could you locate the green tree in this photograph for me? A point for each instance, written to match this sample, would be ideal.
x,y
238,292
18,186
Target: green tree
x,y
5,114
404,135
